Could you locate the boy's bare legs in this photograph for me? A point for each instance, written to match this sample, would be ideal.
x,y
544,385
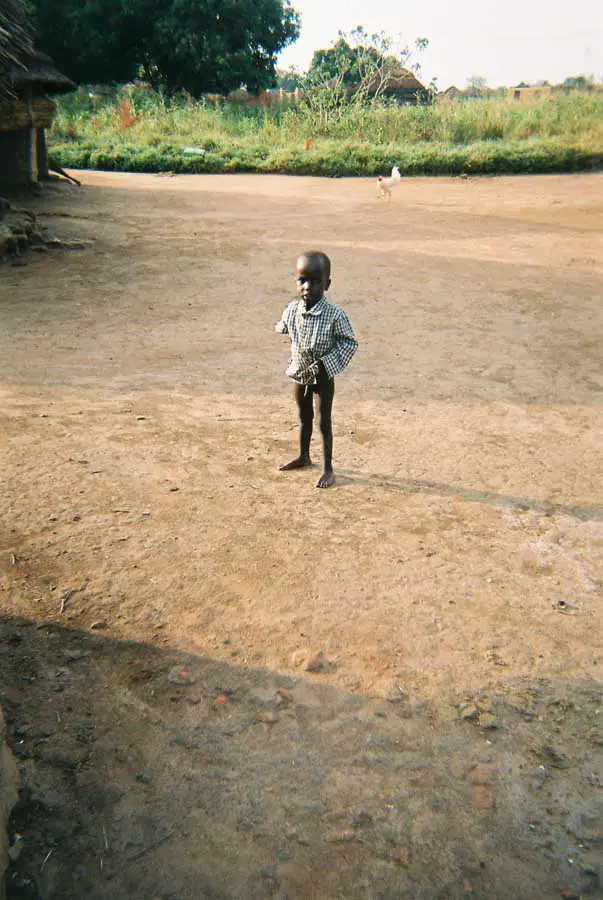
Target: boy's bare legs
x,y
304,398
326,393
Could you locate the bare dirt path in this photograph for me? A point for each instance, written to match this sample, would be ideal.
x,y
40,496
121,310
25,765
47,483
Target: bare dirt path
x,y
457,561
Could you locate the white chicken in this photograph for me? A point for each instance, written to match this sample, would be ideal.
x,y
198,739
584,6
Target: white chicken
x,y
386,184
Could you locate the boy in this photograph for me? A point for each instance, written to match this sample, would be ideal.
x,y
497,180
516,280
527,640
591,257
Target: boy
x,y
322,344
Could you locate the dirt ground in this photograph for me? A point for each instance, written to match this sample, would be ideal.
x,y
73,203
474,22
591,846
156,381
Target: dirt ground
x,y
165,590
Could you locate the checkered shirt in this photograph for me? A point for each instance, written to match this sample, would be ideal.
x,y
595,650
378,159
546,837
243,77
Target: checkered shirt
x,y
321,333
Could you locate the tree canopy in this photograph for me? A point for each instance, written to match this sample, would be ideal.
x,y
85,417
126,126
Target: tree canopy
x,y
359,57
341,60
290,79
578,81
363,68
198,45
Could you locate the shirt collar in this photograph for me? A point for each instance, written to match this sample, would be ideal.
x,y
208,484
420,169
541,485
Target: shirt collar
x,y
317,309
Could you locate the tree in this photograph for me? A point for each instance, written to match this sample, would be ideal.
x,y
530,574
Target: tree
x,y
477,86
361,59
92,41
579,81
289,79
358,68
340,62
198,45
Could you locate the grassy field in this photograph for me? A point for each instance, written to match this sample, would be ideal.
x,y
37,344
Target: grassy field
x,y
138,130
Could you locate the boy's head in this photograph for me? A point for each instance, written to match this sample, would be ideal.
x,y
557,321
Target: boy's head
x,y
313,275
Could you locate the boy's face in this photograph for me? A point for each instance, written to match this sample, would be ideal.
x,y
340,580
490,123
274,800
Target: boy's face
x,y
312,280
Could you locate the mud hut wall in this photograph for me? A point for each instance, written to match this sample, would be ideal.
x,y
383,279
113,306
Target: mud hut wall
x,y
42,154
23,113
15,158
23,154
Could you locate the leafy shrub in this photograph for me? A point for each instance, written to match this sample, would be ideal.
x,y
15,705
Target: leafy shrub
x,y
482,158
137,129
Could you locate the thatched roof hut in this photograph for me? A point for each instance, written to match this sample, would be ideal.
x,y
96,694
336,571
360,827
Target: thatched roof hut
x,y
392,82
23,69
40,73
27,77
451,93
15,42
399,84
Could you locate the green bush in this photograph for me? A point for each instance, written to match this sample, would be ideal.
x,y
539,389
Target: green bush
x,y
136,129
482,158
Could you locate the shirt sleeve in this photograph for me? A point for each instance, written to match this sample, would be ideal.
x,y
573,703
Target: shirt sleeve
x,y
282,326
344,346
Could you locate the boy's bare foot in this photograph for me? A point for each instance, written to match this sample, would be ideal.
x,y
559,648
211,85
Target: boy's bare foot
x,y
300,462
326,479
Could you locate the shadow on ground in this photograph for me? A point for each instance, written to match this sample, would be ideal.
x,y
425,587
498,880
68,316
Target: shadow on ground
x,y
149,774
590,513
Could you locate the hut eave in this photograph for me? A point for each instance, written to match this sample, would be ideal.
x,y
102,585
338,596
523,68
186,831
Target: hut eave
x,y
37,73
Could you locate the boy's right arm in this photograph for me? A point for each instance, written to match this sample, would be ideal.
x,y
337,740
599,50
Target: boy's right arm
x,y
282,326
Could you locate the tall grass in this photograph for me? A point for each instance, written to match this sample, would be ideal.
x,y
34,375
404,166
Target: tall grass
x,y
136,127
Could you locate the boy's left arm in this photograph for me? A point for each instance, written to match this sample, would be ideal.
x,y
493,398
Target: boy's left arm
x,y
344,346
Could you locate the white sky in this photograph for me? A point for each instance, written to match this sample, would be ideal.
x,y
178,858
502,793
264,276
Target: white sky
x,y
505,42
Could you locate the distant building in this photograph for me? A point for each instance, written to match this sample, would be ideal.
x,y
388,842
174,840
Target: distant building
x,y
529,92
451,93
470,93
391,83
399,84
